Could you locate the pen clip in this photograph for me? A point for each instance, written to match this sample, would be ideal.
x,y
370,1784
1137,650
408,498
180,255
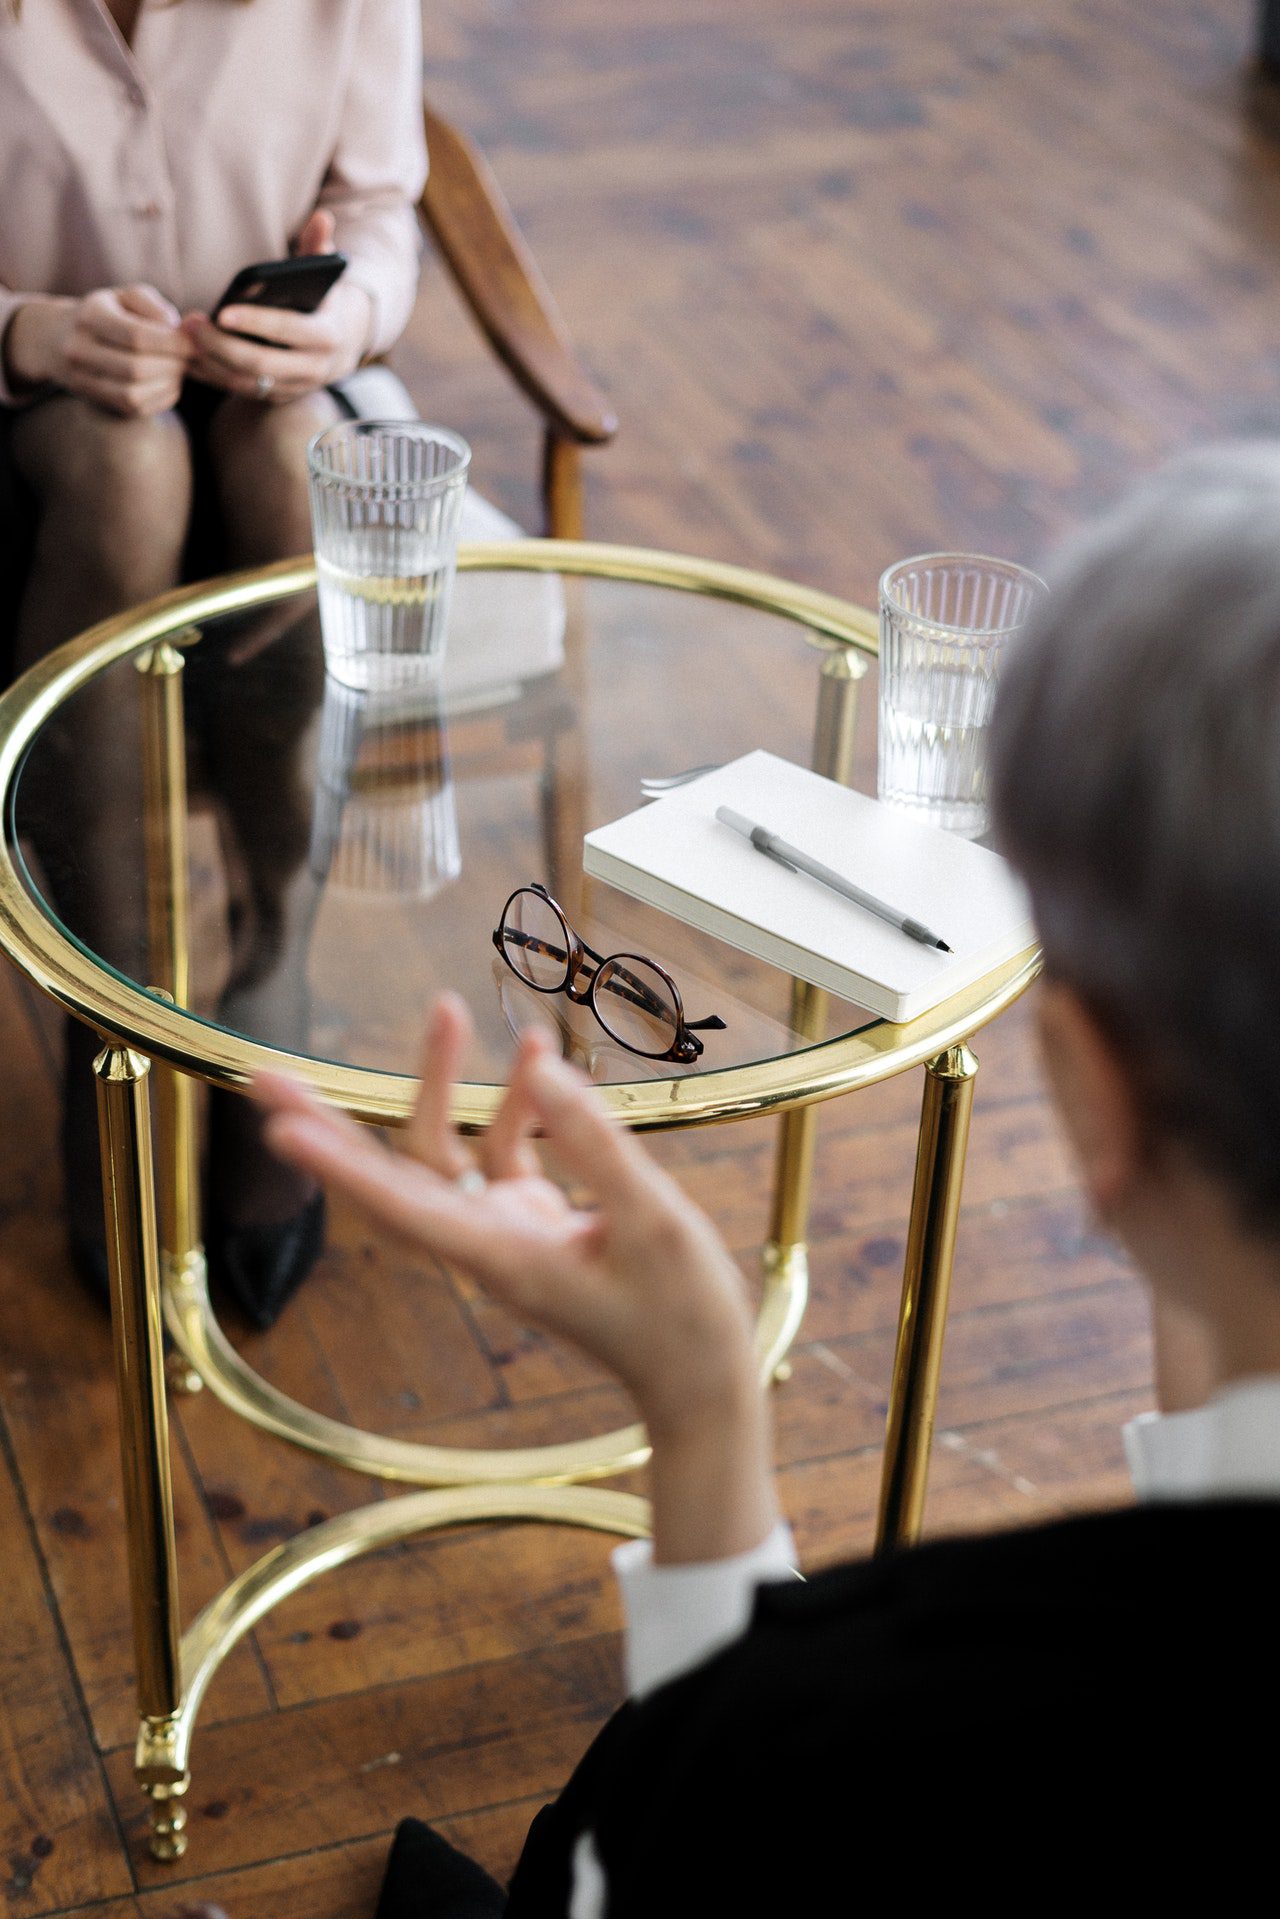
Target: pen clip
x,y
771,855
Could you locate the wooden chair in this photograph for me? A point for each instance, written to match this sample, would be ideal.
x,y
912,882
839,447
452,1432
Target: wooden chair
x,y
466,213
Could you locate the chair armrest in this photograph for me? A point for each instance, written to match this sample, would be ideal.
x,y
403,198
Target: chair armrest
x,y
469,219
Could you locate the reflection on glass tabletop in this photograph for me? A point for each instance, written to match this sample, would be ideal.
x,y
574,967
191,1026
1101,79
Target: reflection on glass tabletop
x,y
350,853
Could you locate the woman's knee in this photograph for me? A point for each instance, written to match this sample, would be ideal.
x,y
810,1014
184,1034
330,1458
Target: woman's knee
x,y
259,457
256,447
104,480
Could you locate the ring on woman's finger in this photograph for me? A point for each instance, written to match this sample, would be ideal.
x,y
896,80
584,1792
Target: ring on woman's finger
x,y
470,1180
263,384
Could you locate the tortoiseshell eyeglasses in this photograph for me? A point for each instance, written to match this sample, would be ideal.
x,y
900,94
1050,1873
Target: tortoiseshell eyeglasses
x,y
635,1000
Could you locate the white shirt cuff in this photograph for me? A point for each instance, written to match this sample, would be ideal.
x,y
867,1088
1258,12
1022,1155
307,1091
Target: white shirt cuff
x,y
1227,1448
1157,1456
677,1616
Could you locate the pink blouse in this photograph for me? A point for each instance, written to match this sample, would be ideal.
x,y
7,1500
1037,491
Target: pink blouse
x,y
206,145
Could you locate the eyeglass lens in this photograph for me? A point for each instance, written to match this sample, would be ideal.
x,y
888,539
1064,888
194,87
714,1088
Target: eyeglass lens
x,y
533,942
634,1005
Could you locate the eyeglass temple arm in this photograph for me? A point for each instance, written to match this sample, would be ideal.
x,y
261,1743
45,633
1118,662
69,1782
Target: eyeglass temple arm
x,y
530,941
713,1025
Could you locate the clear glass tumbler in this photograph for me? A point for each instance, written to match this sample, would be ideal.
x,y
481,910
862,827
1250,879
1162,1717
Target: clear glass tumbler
x,y
386,498
945,619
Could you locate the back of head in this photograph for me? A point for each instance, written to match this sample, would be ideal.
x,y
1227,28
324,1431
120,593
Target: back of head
x,y
1135,774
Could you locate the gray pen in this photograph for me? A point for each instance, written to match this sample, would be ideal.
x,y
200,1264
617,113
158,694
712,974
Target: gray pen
x,y
774,848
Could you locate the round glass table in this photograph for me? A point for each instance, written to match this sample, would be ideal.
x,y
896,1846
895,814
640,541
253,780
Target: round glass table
x,y
220,859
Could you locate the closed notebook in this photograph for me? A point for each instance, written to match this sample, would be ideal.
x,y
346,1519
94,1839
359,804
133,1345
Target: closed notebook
x,y
675,854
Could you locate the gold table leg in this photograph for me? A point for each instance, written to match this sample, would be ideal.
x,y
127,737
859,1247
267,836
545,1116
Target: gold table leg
x,y
786,1252
164,772
124,1125
926,1285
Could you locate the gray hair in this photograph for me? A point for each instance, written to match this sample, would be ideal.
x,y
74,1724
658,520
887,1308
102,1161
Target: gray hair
x,y
1135,775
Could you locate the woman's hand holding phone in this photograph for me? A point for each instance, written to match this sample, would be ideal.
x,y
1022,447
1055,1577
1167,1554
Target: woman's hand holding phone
x,y
291,354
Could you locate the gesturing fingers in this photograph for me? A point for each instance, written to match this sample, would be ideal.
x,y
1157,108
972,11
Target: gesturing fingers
x,y
429,1136
505,1151
349,1156
505,1248
593,1147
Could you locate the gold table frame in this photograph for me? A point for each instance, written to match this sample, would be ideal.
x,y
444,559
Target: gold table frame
x,y
155,1256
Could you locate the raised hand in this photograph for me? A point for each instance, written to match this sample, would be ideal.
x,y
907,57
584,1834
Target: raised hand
x,y
641,1283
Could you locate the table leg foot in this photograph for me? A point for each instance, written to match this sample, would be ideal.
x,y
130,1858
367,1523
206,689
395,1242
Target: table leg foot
x,y
165,1780
168,1839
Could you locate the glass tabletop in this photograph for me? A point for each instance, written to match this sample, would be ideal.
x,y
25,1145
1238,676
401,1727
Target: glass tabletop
x,y
348,854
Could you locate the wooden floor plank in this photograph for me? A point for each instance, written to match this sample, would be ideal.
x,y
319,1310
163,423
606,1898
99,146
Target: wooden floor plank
x,y
59,1843
1030,1359
335,1882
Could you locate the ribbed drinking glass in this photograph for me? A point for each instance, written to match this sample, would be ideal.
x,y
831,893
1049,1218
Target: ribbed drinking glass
x,y
386,498
945,620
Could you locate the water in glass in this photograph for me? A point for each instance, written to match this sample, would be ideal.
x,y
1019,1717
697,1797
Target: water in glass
x,y
386,500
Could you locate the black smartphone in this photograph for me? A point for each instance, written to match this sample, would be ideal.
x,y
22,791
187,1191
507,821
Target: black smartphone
x,y
299,283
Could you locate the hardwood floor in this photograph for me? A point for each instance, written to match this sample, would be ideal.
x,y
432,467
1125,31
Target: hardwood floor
x,y
862,280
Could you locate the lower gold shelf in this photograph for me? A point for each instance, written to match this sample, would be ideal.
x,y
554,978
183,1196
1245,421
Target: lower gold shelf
x,y
207,1350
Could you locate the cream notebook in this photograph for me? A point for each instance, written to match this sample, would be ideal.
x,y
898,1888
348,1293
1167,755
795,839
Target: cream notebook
x,y
675,854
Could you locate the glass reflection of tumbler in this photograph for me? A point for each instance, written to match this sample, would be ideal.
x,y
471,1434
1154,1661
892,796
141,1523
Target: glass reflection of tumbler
x,y
385,818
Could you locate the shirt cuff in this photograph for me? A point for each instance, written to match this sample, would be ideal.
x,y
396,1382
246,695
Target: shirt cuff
x,y
1168,1455
677,1616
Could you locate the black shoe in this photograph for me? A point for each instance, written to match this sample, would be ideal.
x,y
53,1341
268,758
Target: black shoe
x,y
262,1267
427,1878
266,1219
89,1257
